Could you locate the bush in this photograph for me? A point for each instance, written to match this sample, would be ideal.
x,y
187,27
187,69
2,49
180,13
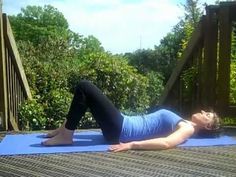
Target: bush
x,y
119,81
32,115
58,102
233,83
155,87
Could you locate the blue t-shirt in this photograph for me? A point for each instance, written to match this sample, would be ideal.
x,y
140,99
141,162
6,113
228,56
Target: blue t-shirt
x,y
158,124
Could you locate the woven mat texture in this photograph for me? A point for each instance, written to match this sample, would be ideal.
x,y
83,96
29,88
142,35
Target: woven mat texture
x,y
197,161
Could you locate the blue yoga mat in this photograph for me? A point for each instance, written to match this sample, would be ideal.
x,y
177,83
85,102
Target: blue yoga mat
x,y
85,141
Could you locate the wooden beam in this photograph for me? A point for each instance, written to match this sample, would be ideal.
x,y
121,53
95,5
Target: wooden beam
x,y
196,37
232,9
223,83
210,59
3,85
10,41
13,122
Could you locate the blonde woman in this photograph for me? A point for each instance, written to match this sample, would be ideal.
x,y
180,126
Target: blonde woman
x,y
162,129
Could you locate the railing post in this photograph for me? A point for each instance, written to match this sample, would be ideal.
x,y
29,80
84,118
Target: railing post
x,y
210,58
225,26
3,86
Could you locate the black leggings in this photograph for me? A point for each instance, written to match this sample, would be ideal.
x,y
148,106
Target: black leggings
x,y
105,113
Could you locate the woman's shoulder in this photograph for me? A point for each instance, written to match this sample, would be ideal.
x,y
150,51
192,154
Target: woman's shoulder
x,y
185,124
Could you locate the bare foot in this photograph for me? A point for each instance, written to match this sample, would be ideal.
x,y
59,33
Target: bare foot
x,y
52,133
64,137
55,132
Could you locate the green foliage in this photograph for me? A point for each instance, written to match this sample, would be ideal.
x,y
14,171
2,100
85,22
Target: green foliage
x,y
233,44
89,45
233,83
46,70
119,81
47,78
88,122
193,14
163,58
233,67
56,59
37,24
57,106
188,79
155,87
167,52
143,60
32,115
228,121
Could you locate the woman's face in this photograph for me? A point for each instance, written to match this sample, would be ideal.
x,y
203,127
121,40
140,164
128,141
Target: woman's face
x,y
203,119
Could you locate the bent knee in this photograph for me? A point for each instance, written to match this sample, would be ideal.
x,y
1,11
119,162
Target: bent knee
x,y
83,85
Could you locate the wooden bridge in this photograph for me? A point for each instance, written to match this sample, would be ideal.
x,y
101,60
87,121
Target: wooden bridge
x,y
209,50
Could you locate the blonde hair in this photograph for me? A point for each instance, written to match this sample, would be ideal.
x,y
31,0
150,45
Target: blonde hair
x,y
215,122
214,130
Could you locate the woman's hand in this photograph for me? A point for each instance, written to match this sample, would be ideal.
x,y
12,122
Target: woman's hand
x,y
120,147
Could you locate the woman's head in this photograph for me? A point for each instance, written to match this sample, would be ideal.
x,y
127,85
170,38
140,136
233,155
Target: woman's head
x,y
206,120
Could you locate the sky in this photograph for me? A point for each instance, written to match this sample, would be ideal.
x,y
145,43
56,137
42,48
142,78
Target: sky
x,y
120,25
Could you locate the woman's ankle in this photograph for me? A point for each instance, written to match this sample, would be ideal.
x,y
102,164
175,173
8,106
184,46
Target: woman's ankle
x,y
66,132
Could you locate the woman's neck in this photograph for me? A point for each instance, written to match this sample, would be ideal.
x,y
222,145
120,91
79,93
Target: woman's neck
x,y
194,125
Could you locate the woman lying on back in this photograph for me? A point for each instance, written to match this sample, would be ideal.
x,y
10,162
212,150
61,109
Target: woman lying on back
x,y
162,129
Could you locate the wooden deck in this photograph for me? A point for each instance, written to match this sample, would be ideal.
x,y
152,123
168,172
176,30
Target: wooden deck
x,y
197,161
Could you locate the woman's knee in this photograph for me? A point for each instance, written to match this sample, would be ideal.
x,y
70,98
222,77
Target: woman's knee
x,y
83,84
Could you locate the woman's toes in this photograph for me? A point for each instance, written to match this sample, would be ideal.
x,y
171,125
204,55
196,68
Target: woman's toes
x,y
52,133
56,142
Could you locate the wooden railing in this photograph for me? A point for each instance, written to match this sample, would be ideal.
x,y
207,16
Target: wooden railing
x,y
14,88
209,51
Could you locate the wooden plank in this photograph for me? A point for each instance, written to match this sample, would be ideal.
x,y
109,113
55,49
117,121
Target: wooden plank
x,y
3,85
196,37
13,122
13,48
10,91
200,77
224,59
232,8
228,4
194,96
233,12
210,59
8,76
14,92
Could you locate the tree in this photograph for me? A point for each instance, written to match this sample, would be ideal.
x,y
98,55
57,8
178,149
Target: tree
x,y
143,60
55,58
37,24
167,53
233,66
193,14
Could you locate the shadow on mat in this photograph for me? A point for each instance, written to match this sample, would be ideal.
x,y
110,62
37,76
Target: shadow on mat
x,y
79,140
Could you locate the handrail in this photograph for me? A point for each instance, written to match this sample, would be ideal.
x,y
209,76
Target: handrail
x,y
188,52
11,45
13,79
209,52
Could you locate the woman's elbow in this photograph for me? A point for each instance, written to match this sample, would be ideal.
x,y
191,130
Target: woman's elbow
x,y
168,145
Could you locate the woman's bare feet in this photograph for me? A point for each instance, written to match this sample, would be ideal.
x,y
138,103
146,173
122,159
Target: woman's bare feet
x,y
52,133
55,132
63,137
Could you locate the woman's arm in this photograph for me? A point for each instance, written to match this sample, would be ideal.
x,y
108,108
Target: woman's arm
x,y
179,136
